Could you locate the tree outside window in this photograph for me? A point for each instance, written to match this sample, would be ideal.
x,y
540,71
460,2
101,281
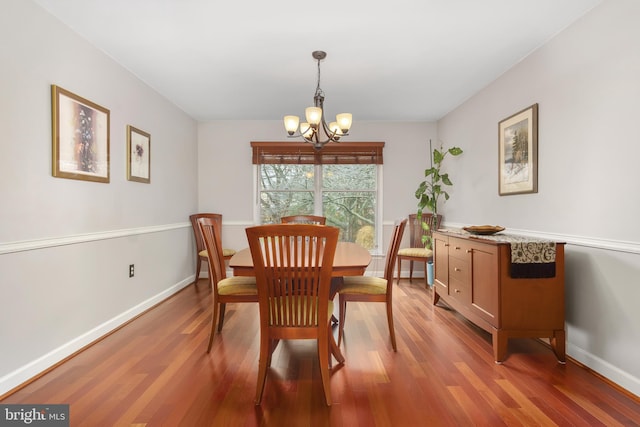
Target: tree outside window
x,y
347,196
339,181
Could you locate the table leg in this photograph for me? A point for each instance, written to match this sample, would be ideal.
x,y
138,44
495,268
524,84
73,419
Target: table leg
x,y
336,284
334,349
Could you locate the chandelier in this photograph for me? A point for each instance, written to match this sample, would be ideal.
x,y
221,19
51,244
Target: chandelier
x,y
315,130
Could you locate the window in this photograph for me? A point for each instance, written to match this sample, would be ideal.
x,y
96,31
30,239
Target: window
x,y
340,182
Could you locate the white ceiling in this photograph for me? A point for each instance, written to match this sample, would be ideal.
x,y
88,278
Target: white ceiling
x,y
386,60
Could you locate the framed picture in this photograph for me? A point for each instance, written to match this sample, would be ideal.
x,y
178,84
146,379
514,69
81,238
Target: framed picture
x,y
138,155
80,137
518,153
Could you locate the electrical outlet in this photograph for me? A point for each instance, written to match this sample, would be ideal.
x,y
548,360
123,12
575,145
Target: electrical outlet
x,y
131,270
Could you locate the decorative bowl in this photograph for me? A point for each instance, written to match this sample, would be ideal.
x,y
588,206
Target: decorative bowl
x,y
484,230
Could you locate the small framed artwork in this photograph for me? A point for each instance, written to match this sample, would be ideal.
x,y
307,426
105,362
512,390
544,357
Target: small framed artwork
x,y
80,137
138,155
518,153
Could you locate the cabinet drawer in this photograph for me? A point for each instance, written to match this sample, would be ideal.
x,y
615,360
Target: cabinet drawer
x,y
460,270
460,249
460,291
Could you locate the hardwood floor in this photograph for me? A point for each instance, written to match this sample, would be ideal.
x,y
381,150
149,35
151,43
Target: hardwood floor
x,y
155,371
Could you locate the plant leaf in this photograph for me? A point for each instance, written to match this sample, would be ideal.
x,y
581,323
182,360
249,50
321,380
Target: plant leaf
x,y
437,157
455,151
430,171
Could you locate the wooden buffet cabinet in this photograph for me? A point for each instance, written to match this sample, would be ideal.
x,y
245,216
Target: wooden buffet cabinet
x,y
472,276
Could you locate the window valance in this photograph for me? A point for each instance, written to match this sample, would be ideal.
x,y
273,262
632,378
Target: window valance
x,y
345,153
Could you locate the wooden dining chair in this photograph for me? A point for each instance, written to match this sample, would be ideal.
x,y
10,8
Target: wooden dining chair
x,y
201,251
303,219
224,289
416,250
373,289
293,265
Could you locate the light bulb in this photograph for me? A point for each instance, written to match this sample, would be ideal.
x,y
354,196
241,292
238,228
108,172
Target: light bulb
x,y
344,121
313,115
291,124
306,130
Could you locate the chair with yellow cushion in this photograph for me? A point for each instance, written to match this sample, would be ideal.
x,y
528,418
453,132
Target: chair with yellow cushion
x,y
224,289
373,289
293,265
201,251
416,250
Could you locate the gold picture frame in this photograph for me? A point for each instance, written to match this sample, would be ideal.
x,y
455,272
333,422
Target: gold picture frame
x,y
80,137
518,153
138,155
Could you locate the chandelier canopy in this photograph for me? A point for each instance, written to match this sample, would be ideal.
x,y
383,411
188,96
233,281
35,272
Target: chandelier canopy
x,y
315,130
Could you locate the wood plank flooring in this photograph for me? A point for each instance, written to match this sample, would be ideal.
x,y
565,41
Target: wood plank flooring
x,y
155,372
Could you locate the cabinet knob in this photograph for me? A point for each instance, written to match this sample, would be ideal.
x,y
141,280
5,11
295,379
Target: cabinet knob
x,y
457,291
469,251
456,269
446,244
457,248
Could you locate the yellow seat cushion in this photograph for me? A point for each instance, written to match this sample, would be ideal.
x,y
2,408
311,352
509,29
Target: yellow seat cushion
x,y
225,253
363,285
238,285
416,252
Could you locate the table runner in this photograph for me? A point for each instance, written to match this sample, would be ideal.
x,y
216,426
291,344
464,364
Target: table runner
x,y
530,257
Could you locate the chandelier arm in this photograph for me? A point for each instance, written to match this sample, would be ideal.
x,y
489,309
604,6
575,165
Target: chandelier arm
x,y
327,130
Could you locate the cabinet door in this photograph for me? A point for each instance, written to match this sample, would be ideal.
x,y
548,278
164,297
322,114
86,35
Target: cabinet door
x,y
441,262
485,283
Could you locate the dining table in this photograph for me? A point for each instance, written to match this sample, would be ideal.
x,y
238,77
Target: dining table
x,y
350,259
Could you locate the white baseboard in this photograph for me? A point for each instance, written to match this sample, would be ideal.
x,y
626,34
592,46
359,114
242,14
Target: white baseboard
x,y
41,364
604,368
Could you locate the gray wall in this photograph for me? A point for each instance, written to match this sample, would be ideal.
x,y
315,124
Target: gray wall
x,y
587,84
65,245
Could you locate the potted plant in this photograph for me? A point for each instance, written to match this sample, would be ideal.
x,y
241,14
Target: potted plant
x,y
432,188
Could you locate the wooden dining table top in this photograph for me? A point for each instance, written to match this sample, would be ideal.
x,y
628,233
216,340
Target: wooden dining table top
x,y
350,259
